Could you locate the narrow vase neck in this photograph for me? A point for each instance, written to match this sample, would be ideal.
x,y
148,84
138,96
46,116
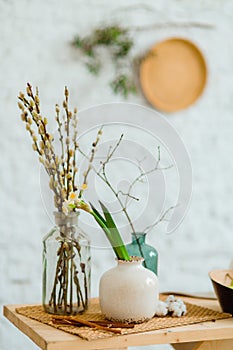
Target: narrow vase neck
x,y
138,237
66,224
65,220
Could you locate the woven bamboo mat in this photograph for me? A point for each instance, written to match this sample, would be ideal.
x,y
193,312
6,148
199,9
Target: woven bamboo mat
x,y
195,314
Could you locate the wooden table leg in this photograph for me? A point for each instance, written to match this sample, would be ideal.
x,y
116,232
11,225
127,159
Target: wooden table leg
x,y
226,344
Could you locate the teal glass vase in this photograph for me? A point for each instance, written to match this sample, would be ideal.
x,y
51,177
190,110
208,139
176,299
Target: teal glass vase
x,y
146,251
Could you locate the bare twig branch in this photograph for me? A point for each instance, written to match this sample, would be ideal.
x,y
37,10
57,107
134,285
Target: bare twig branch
x,y
162,218
90,159
128,195
102,174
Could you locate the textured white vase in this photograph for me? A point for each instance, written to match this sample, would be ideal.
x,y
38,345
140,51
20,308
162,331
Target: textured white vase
x,y
129,292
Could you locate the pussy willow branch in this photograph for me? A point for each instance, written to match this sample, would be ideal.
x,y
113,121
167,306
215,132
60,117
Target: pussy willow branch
x,y
60,167
91,159
46,148
66,275
67,127
61,137
75,143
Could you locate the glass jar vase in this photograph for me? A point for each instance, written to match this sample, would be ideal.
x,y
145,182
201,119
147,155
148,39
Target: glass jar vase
x,y
66,267
146,251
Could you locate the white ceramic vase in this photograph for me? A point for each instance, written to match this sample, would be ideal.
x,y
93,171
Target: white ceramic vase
x,y
129,292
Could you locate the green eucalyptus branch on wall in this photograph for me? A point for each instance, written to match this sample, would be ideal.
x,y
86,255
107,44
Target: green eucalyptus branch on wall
x,y
118,42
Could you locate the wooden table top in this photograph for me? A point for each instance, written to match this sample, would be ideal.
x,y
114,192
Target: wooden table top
x,y
49,338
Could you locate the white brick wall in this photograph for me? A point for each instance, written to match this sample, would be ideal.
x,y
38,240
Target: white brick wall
x,y
34,46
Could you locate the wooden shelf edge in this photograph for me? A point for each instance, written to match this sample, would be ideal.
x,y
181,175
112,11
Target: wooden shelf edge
x,y
48,338
18,322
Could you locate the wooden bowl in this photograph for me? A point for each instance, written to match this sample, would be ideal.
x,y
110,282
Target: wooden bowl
x,y
173,74
221,280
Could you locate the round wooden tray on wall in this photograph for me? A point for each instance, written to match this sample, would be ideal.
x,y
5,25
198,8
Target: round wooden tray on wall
x,y
173,74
